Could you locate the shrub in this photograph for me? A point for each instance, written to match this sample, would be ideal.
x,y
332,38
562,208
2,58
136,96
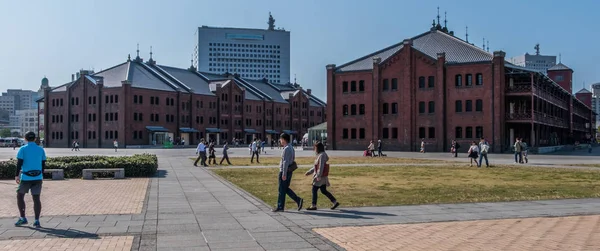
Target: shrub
x,y
138,165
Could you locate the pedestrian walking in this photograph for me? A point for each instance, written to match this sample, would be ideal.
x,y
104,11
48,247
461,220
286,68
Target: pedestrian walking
x,y
225,156
31,162
116,145
379,148
320,172
455,148
371,148
422,145
473,153
484,147
201,151
74,145
518,148
255,151
287,166
211,154
524,151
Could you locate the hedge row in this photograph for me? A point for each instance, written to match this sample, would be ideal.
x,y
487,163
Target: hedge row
x,y
139,165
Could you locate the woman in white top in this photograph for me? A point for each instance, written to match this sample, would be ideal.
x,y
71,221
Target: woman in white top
x,y
473,153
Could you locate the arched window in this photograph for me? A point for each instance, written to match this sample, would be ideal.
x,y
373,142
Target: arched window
x,y
479,80
469,80
361,86
458,80
479,105
345,110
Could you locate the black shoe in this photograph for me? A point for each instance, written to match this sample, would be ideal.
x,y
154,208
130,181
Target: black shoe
x,y
337,204
300,204
275,210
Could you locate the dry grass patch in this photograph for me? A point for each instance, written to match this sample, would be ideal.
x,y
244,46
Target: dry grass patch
x,y
406,185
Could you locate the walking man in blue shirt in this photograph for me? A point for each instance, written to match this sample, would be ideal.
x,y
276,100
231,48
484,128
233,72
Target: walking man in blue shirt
x,y
31,162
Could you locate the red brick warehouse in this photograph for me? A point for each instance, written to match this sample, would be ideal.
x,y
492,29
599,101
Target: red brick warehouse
x,y
438,87
142,103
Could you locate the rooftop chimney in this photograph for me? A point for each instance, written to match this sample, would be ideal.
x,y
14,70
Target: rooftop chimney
x,y
309,91
72,77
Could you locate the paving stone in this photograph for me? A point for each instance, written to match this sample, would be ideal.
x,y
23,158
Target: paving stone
x,y
17,233
227,236
234,244
134,229
101,224
112,230
285,245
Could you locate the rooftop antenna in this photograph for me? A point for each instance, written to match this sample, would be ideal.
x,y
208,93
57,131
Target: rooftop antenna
x,y
483,44
537,49
192,60
467,33
445,20
294,78
488,46
438,14
151,52
271,22
559,58
138,50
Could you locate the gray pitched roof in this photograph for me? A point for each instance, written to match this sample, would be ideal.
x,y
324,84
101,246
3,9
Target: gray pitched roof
x,y
584,91
457,51
191,79
267,89
429,43
141,77
559,67
366,62
114,75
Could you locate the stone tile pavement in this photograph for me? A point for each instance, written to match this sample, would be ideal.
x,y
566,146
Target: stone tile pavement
x,y
531,234
113,243
79,197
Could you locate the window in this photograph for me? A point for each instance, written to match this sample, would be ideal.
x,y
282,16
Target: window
x,y
385,108
394,108
421,107
458,80
431,132
106,117
353,110
135,99
469,132
458,106
116,116
116,98
431,107
345,86
361,109
151,100
394,133
386,133
361,86
421,82
431,82
458,132
61,104
559,78
353,86
479,80
345,133
469,106
353,133
478,105
361,133
386,85
112,99
479,132
469,80
140,99
421,132
345,110
394,84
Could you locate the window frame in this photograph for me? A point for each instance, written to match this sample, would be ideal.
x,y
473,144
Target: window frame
x,y
458,106
458,132
458,80
431,107
422,82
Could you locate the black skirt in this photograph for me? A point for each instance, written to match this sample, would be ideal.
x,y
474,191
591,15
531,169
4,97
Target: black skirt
x,y
473,155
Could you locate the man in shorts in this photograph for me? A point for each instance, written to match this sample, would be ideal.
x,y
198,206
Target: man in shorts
x,y
31,162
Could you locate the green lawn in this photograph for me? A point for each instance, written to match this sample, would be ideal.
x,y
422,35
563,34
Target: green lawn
x,y
406,185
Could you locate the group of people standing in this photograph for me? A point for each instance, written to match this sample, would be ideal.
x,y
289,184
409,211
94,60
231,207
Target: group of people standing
x,y
521,150
476,151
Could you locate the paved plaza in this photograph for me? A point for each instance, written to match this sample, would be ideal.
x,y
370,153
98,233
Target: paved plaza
x,y
189,208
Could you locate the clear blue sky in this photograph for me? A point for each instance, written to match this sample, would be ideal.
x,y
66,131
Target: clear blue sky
x,y
57,38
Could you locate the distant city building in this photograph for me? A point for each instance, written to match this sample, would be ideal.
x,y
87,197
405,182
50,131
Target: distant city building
x,y
27,120
4,117
251,53
21,100
536,62
596,100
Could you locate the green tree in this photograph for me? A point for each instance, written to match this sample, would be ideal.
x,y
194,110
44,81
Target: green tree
x,y
5,132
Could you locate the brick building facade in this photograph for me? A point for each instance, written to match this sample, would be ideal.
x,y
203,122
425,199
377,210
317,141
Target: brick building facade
x,y
142,103
436,87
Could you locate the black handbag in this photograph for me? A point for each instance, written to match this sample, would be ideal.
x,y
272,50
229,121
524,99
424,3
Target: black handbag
x,y
292,167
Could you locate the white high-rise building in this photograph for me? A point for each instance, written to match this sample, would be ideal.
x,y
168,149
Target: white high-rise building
x,y
27,120
536,62
251,53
